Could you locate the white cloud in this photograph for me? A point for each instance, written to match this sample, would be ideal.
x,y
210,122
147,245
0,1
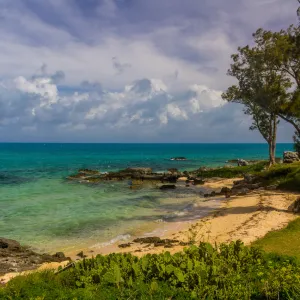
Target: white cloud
x,y
42,87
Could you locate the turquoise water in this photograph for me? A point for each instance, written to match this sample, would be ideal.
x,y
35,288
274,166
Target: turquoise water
x,y
40,208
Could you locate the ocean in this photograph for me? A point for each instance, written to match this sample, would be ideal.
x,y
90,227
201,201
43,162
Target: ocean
x,y
40,208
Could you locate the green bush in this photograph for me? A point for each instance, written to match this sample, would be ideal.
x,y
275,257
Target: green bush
x,y
226,272
232,172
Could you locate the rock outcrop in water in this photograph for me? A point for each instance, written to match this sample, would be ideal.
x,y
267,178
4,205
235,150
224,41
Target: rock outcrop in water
x,y
16,258
140,174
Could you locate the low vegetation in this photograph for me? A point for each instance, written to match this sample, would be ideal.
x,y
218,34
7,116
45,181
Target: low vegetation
x,y
226,272
284,176
233,172
283,242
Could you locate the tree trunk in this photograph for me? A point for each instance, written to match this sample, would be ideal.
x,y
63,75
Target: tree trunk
x,y
272,140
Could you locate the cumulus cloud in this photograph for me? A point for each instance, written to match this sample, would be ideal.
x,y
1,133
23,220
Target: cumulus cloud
x,y
145,70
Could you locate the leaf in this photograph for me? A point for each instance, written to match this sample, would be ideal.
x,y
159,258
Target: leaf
x,y
154,286
179,275
190,265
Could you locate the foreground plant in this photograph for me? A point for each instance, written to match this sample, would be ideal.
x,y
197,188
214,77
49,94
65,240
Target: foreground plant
x,y
225,272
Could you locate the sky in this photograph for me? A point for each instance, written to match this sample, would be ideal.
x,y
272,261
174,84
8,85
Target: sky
x,y
128,70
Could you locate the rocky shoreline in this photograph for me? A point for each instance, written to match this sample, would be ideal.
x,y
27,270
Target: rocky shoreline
x,y
17,258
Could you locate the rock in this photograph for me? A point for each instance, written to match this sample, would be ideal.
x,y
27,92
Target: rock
x,y
271,187
167,243
139,170
226,191
15,257
88,172
127,245
81,254
198,181
169,179
212,194
178,158
290,157
242,163
248,178
240,191
168,187
9,244
173,171
147,240
295,207
59,255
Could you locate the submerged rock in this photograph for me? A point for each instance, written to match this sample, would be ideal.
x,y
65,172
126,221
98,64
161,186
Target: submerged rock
x,y
138,171
168,187
178,158
88,172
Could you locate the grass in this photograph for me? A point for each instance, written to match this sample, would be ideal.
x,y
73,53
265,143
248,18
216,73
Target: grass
x,y
284,242
233,172
285,176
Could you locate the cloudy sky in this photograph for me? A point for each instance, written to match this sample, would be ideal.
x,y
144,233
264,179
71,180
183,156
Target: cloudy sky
x,y
127,70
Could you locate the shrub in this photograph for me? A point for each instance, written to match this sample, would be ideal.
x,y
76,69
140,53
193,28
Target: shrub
x,y
226,272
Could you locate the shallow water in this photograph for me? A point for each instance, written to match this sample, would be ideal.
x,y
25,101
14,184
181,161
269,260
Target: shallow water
x,y
40,208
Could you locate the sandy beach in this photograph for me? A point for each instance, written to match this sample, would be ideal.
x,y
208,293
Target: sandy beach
x,y
244,218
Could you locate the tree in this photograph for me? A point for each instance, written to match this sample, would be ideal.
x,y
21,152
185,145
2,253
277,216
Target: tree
x,y
262,121
282,50
268,76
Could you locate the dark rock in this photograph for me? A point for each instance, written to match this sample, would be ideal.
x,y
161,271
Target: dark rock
x,y
198,181
59,255
225,190
295,207
138,170
240,191
81,254
127,245
169,179
158,242
15,257
88,172
168,187
147,240
9,244
290,157
212,194
248,178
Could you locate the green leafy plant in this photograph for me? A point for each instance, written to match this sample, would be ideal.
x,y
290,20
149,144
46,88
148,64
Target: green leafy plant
x,y
231,271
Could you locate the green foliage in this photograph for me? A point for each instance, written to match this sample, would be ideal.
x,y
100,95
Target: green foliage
x,y
297,142
233,172
287,177
268,76
226,272
282,242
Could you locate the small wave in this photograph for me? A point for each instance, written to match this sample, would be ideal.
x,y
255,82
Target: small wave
x,y
122,237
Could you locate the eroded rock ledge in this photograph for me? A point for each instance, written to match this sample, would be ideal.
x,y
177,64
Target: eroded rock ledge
x,y
17,258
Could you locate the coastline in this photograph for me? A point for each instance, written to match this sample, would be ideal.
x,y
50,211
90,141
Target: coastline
x,y
246,218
